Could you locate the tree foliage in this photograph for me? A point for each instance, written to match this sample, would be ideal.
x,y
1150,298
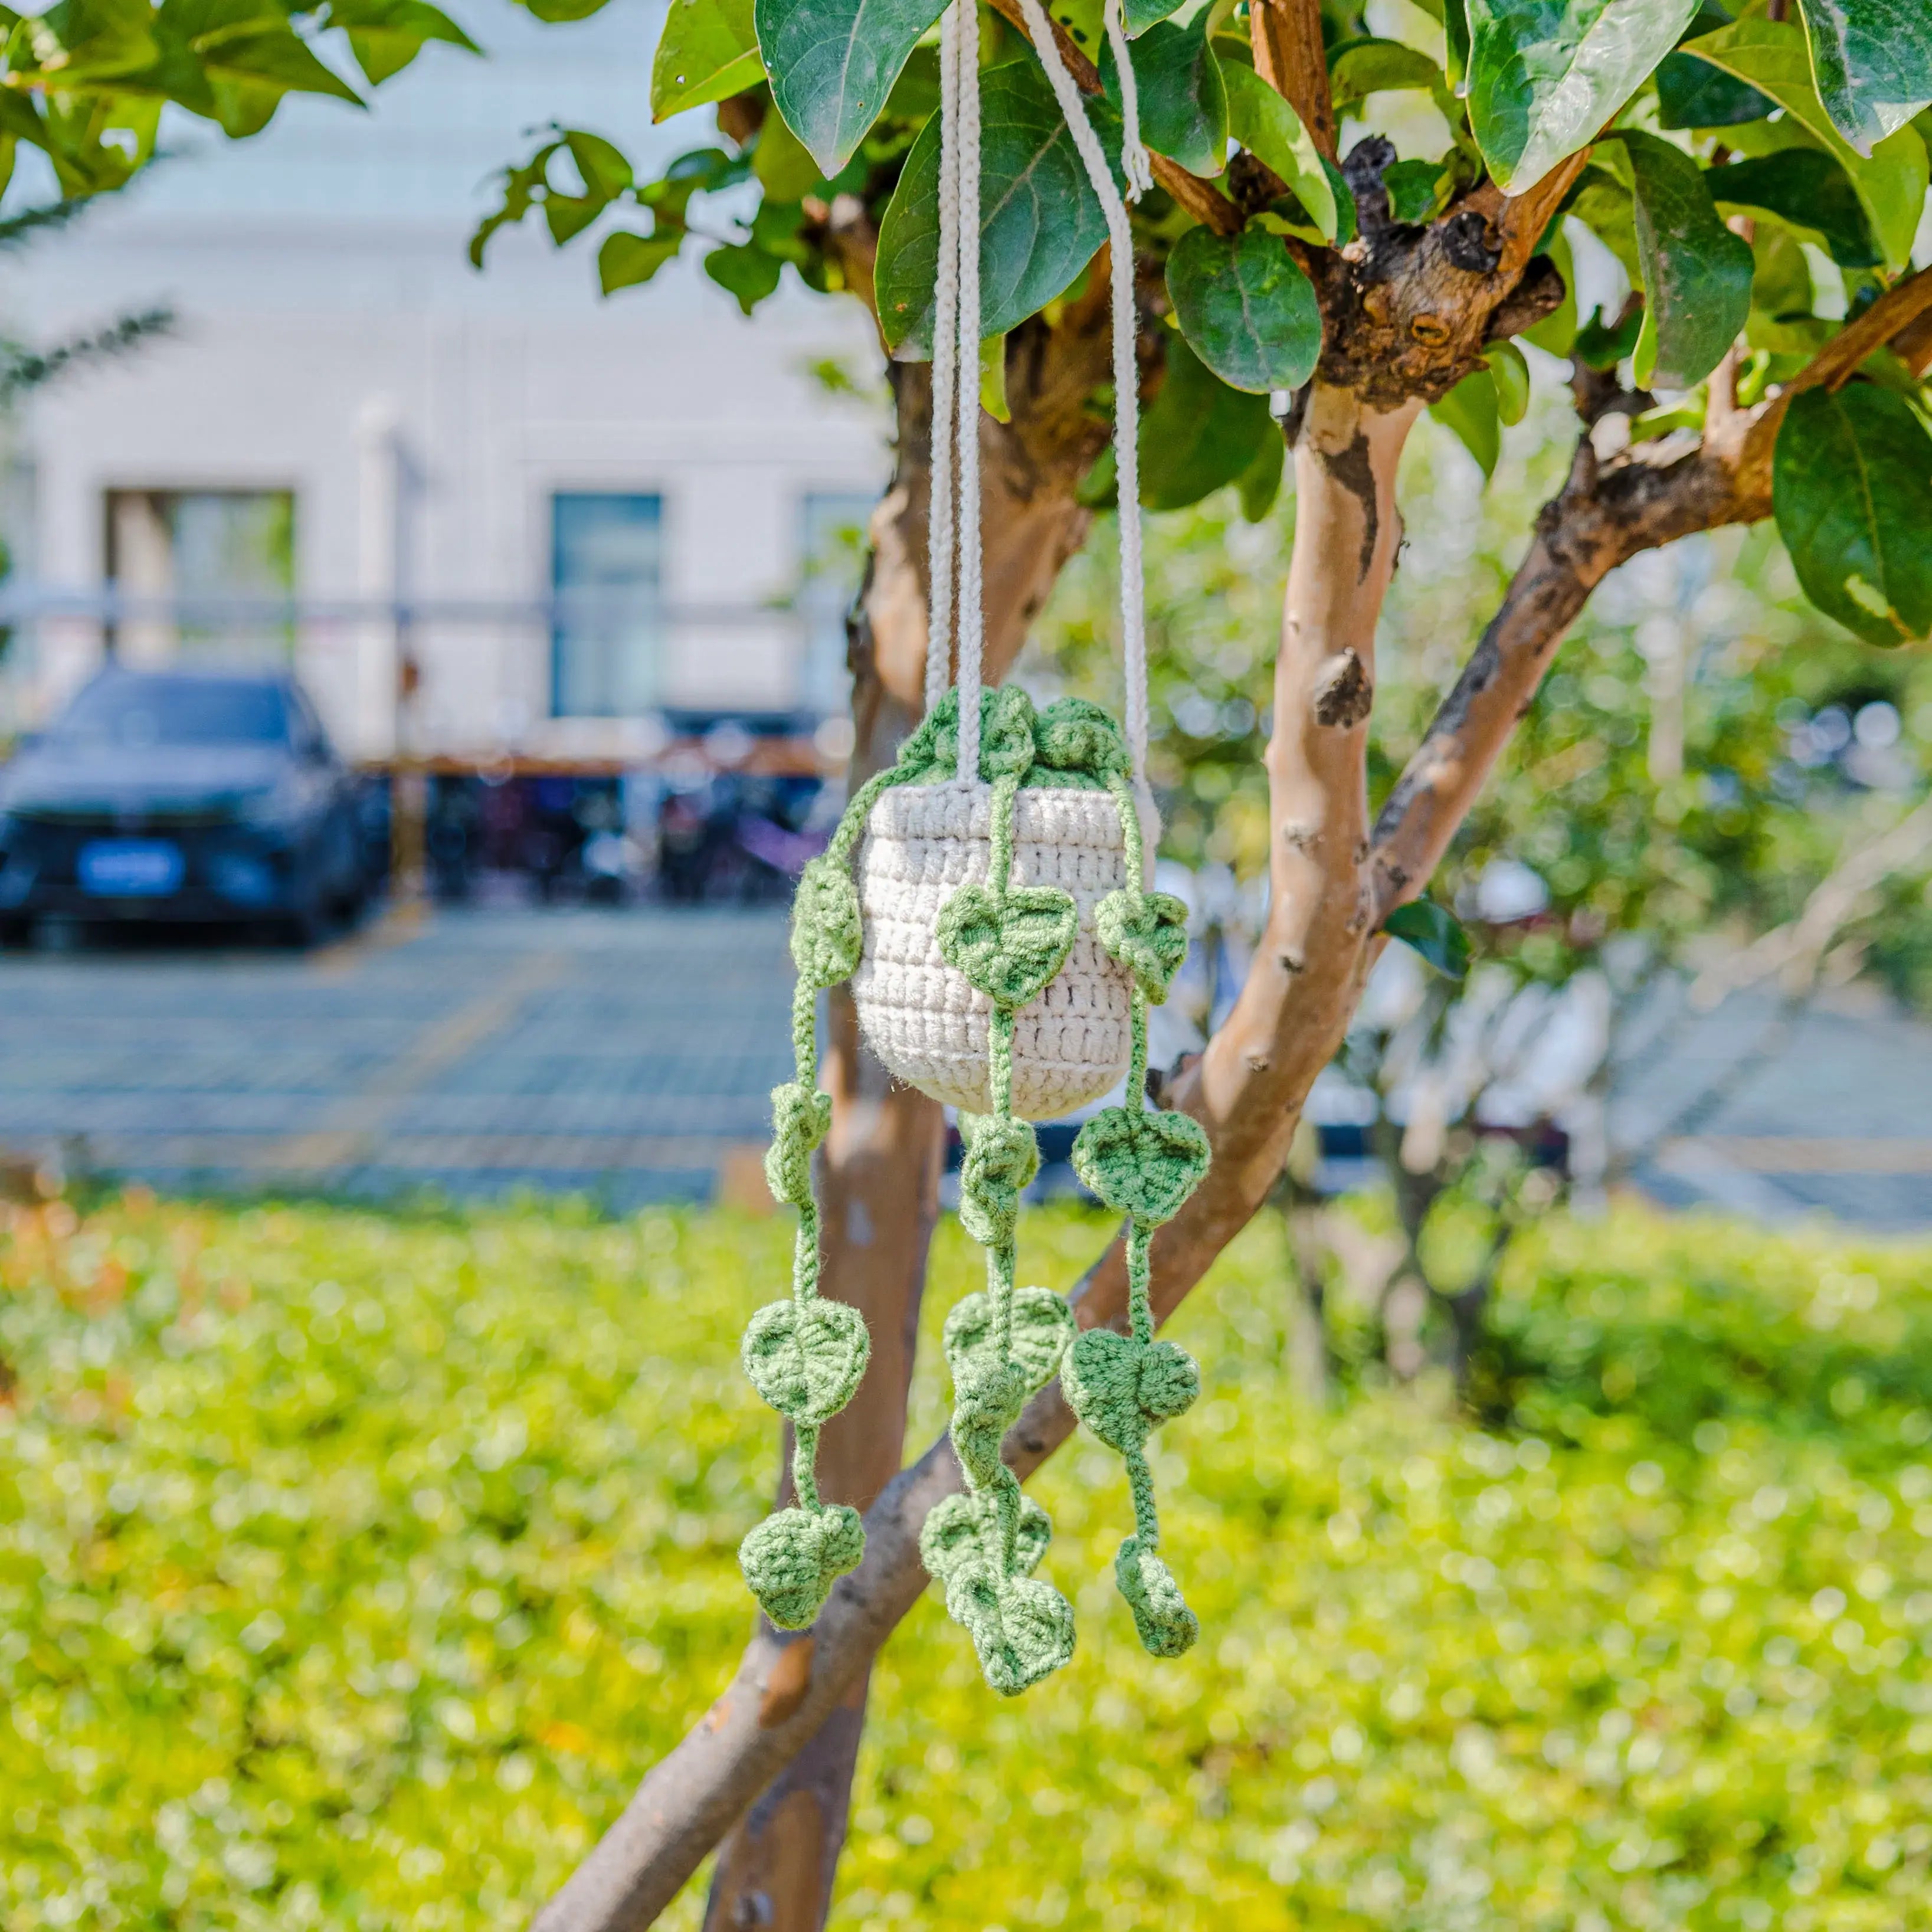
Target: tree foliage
x,y
1719,150
85,82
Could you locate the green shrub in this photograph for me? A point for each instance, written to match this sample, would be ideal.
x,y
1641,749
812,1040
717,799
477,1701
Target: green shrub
x,y
353,1566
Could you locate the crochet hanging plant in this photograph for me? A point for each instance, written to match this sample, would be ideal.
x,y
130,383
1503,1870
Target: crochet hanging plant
x,y
806,1355
1009,940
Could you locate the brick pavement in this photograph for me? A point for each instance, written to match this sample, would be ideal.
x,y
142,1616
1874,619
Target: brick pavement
x,y
619,1054
628,1055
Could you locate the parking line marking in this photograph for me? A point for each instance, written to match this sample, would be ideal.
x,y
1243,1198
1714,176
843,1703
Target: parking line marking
x,y
351,1129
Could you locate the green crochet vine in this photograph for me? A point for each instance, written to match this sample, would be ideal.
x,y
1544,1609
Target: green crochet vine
x,y
807,1355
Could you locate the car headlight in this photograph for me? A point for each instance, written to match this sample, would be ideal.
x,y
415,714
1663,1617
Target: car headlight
x,y
275,807
268,807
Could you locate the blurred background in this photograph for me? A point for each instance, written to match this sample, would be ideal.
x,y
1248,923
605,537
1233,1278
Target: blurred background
x,y
480,650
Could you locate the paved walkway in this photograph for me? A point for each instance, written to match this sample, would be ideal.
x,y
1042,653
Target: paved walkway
x,y
628,1055
625,1055
1833,1113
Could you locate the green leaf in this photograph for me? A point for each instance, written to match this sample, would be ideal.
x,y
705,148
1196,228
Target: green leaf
x,y
1360,68
519,190
993,378
1470,410
626,259
747,271
1806,188
1183,106
1696,274
1272,132
82,42
1435,932
1872,61
1455,51
1691,93
566,216
1080,20
386,35
1100,489
1555,334
1039,219
1603,345
1546,76
1851,483
1260,483
1199,434
1505,364
1782,296
1605,206
559,12
709,51
833,62
1139,15
1771,55
1414,188
604,167
782,162
273,62
1247,310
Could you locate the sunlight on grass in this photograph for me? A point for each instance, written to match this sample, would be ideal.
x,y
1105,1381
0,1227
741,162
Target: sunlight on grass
x,y
354,1566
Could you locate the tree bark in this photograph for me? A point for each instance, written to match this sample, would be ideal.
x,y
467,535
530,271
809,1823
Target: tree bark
x,y
1286,36
879,1173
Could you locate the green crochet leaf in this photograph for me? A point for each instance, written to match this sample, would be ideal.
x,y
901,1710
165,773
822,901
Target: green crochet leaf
x,y
826,940
930,756
793,1558
1166,1626
1075,737
801,1118
1147,932
988,1395
1008,946
1006,733
806,1358
1042,1325
1002,1157
964,1530
1141,1163
1122,1390
1022,1628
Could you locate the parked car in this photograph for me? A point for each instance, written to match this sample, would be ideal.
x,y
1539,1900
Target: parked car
x,y
184,796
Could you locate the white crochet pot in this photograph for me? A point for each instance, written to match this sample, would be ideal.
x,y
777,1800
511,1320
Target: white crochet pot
x,y
920,1017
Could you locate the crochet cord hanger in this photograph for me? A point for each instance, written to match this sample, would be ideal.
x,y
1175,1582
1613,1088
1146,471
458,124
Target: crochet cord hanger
x,y
1003,940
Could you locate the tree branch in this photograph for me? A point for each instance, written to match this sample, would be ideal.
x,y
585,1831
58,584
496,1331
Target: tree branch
x,y
1605,513
1248,1089
1286,36
1904,311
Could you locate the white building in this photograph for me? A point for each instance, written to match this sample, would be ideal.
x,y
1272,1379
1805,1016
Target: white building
x,y
355,448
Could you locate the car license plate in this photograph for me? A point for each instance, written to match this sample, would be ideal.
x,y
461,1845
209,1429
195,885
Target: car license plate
x,y
130,869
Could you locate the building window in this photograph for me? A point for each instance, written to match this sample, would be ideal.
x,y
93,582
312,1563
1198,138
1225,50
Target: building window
x,y
208,571
832,543
606,566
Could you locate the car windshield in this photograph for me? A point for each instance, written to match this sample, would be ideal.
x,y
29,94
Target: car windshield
x,y
132,712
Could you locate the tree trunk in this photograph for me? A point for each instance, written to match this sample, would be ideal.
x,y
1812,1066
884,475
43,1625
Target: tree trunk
x,y
879,1173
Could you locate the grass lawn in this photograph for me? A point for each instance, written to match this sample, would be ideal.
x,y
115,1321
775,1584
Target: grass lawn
x,y
353,1566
